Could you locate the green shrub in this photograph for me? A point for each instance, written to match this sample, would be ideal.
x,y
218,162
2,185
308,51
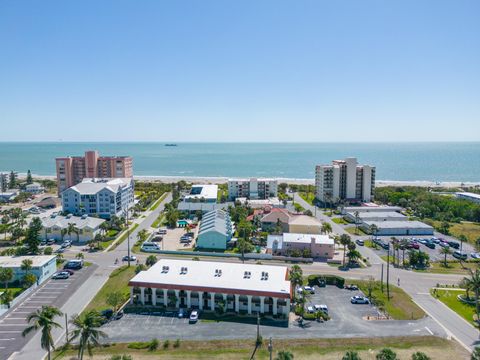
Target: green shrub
x,y
139,345
153,345
166,344
329,279
309,316
176,344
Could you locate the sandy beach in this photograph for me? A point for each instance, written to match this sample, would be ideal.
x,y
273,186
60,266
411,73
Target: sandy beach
x,y
222,180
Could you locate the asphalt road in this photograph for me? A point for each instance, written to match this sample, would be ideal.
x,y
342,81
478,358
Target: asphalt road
x,y
417,285
52,292
78,300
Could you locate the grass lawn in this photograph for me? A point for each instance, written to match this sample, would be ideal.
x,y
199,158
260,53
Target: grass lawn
x,y
123,237
159,221
453,267
470,229
351,230
157,203
400,306
449,298
340,220
15,290
308,197
118,281
310,349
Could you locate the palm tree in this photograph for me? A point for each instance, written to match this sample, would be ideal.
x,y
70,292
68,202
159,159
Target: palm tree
x,y
357,219
351,355
63,232
445,251
72,229
296,276
44,319
26,265
284,355
142,235
462,239
6,275
86,330
326,228
473,284
344,240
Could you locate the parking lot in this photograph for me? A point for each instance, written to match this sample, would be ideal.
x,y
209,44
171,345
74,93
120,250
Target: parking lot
x,y
52,292
347,320
434,254
171,240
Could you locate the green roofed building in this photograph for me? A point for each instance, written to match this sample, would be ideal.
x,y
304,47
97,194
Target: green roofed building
x,y
215,231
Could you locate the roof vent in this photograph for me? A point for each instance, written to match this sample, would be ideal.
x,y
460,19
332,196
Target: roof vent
x,y
183,270
264,275
218,272
165,269
247,275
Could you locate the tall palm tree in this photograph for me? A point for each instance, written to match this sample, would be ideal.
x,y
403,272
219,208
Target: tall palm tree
x,y
26,265
86,331
344,240
473,284
445,251
326,228
6,275
72,229
462,239
296,276
44,319
373,230
357,219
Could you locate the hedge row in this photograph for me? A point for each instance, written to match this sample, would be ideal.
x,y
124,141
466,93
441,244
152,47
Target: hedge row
x,y
322,280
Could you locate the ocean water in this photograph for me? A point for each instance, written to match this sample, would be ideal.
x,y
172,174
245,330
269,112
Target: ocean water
x,y
394,161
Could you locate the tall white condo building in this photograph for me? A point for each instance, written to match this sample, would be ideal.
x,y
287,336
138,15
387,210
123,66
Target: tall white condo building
x,y
344,180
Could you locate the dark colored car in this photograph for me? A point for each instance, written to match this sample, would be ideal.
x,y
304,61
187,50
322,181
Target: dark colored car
x,y
430,244
71,272
454,244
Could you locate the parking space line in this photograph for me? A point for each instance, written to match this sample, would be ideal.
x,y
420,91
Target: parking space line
x,y
173,319
12,324
9,331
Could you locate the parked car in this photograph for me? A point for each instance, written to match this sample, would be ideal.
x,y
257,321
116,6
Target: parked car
x,y
162,231
61,275
475,255
430,244
71,272
460,255
423,241
321,307
357,299
43,242
360,242
309,289
193,316
443,244
66,243
59,251
310,309
76,264
181,313
351,287
435,240
118,315
149,246
132,258
50,241
414,245
454,244
106,315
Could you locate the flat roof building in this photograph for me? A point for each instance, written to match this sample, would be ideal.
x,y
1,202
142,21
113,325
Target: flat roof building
x,y
398,228
375,216
73,169
318,246
204,285
43,266
202,193
252,188
344,180
468,196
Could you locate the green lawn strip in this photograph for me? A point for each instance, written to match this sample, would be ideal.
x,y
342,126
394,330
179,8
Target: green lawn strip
x,y
15,290
118,281
449,298
352,231
308,197
300,348
123,237
453,267
159,221
399,307
339,220
157,203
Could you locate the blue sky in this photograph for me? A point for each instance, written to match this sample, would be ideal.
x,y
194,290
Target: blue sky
x,y
402,70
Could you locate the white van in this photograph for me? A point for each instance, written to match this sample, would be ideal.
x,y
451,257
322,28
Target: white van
x,y
148,246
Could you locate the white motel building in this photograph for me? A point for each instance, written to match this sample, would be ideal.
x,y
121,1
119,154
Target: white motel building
x,y
203,285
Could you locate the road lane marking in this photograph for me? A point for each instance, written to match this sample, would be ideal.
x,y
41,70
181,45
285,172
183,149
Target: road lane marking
x,y
430,331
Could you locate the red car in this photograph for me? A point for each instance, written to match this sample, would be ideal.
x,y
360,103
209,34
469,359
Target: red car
x,y
414,245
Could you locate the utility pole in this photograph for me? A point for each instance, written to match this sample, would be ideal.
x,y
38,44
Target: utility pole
x,y
381,279
66,327
128,238
258,328
388,268
270,348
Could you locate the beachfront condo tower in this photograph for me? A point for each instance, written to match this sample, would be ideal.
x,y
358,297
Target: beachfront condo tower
x,y
252,188
72,170
344,180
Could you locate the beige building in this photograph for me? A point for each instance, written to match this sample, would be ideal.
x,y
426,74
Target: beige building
x,y
318,246
73,169
344,180
292,223
252,188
